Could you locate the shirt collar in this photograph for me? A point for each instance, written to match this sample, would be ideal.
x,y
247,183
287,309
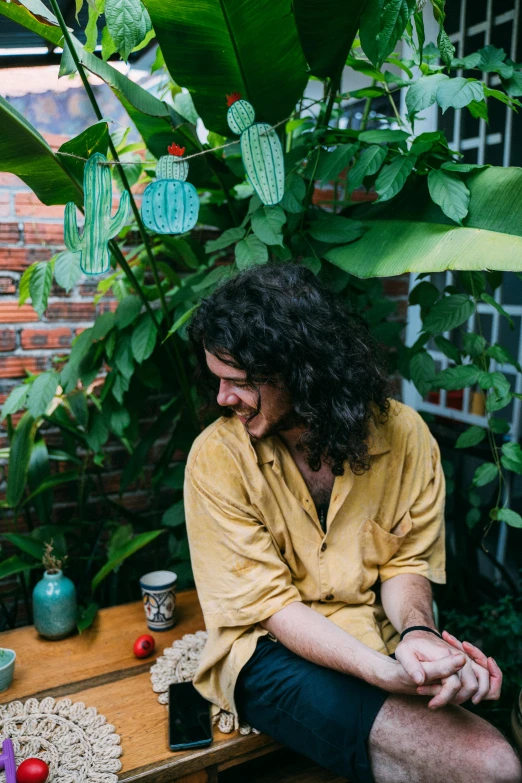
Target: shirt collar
x,y
267,450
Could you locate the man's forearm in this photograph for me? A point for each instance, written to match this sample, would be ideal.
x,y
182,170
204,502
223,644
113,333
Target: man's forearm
x,y
407,600
314,637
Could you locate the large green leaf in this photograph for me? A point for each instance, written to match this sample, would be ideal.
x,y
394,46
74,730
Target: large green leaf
x,y
14,565
39,471
382,24
24,152
43,23
326,30
411,233
155,119
215,47
42,392
128,24
93,139
139,98
19,457
118,556
28,545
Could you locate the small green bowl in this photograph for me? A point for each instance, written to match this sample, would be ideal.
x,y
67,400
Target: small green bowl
x,y
7,662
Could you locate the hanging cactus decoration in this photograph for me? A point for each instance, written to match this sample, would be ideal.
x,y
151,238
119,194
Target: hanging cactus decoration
x,y
99,226
260,148
170,205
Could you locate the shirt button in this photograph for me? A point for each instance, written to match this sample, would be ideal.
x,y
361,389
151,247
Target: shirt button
x,y
324,546
328,597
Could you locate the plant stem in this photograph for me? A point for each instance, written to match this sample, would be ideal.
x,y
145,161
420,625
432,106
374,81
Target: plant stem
x,y
178,363
331,102
321,123
122,261
230,203
366,112
393,104
177,360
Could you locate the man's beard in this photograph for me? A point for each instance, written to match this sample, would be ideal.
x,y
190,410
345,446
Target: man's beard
x,y
286,422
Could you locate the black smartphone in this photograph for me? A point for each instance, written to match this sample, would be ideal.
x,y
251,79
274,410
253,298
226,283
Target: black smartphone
x,y
190,725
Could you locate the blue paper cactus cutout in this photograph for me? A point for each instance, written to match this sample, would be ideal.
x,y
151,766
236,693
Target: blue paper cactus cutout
x,y
260,148
170,205
99,225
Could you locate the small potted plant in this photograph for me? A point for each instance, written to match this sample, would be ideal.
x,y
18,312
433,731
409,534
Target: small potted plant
x,y
54,599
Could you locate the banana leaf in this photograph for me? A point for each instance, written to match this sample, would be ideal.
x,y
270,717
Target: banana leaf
x,y
24,152
326,30
155,119
46,26
215,47
411,234
21,447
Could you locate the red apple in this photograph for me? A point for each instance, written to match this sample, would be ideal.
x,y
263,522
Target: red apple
x,y
144,646
32,771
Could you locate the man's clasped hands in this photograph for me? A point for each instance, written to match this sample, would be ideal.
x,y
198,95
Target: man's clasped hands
x,y
449,671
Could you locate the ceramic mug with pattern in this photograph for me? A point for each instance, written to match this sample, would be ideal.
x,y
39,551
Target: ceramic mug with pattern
x,y
158,589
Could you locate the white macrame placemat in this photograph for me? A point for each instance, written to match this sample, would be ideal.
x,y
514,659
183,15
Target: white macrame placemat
x,y
74,740
178,664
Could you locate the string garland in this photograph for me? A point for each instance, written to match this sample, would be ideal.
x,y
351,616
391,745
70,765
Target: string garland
x,y
195,154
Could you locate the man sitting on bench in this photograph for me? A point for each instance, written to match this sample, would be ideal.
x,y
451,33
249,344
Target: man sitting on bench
x,y
314,509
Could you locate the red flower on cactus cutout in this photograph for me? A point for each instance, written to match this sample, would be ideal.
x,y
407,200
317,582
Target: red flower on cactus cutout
x,y
176,150
235,96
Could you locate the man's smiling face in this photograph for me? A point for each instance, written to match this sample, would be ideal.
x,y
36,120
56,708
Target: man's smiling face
x,y
275,408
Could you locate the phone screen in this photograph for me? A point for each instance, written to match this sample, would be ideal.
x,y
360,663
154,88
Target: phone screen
x,y
189,717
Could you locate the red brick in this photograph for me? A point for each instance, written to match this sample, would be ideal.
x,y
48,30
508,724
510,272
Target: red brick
x,y
323,195
7,285
402,310
88,288
11,180
58,291
27,204
46,338
55,140
43,233
19,366
136,502
16,259
7,339
10,313
5,205
107,305
364,195
9,233
396,286
70,311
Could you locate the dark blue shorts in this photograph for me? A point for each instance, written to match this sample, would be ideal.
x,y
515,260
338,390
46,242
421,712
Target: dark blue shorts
x,y
318,712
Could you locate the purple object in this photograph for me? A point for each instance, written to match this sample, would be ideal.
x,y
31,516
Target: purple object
x,y
7,761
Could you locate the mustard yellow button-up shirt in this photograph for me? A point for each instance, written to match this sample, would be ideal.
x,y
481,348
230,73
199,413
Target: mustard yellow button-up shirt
x,y
257,545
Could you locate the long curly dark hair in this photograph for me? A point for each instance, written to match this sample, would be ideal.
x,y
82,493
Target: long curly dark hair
x,y
280,324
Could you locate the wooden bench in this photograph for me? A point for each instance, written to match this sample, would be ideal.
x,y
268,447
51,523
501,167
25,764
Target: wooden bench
x,y
98,667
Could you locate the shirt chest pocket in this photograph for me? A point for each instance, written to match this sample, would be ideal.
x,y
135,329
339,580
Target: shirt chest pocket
x,y
379,546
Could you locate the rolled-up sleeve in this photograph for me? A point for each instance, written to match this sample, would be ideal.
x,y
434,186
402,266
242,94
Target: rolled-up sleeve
x,y
240,575
422,550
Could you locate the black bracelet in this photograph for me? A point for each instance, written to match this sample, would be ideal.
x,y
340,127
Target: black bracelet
x,y
419,628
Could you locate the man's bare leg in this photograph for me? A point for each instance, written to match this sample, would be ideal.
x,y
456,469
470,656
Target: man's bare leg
x,y
410,743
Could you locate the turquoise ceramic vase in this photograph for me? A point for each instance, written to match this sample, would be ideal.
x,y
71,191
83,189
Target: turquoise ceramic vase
x,y
54,605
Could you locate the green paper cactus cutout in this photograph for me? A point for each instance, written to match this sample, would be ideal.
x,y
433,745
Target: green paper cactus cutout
x,y
170,205
99,225
260,149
